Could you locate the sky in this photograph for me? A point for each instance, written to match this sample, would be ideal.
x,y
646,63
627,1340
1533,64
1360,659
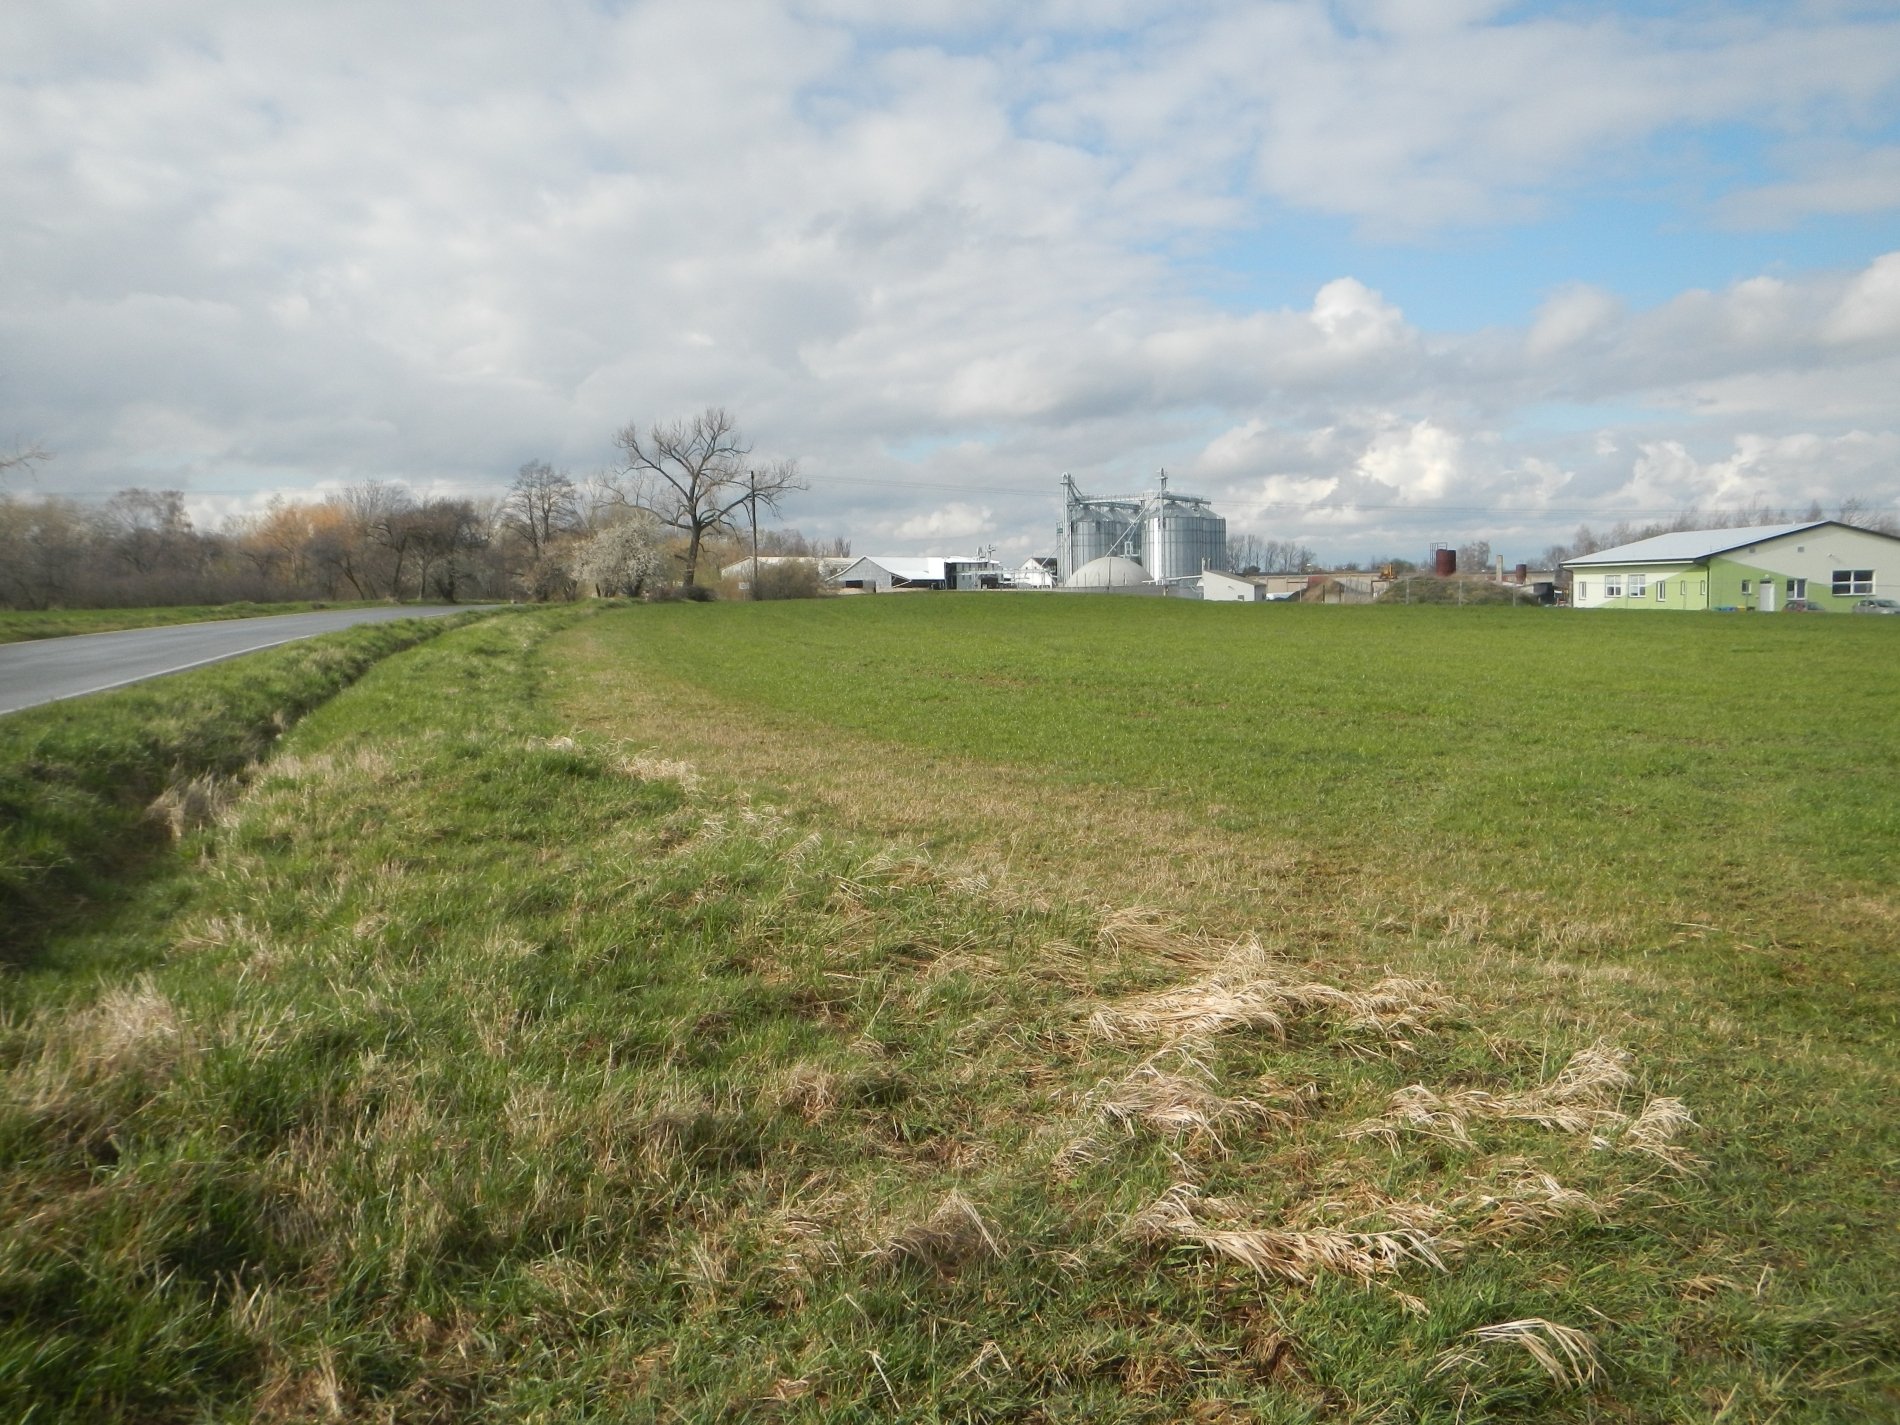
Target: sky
x,y
1370,274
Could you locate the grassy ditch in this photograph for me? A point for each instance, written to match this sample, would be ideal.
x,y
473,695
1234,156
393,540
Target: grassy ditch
x,y
90,787
20,625
502,1067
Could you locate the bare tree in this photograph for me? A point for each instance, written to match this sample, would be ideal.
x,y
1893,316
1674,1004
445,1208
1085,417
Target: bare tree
x,y
44,544
148,529
1247,552
696,476
1858,512
442,533
541,506
24,457
1475,557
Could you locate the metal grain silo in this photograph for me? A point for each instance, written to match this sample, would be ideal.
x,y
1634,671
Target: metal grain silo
x,y
1174,537
1184,538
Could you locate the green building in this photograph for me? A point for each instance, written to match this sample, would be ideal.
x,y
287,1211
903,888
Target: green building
x,y
1821,563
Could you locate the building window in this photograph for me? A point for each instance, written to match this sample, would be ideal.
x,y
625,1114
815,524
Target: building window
x,y
1744,586
1583,590
1662,590
1797,588
1612,586
1639,585
1848,582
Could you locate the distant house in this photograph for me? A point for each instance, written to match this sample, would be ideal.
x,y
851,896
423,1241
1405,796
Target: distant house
x,y
1037,573
1822,563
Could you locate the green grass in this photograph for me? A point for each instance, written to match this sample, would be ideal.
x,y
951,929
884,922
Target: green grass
x,y
1709,759
498,1065
79,779
19,625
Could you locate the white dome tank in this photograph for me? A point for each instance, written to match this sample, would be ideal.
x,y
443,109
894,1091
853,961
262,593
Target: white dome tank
x,y
1111,571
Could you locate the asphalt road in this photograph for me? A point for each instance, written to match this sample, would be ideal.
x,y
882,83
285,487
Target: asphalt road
x,y
48,669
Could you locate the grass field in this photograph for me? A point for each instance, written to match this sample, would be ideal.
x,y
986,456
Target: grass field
x,y
19,625
995,1008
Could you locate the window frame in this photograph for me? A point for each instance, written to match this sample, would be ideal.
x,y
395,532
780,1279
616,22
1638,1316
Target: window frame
x,y
1853,583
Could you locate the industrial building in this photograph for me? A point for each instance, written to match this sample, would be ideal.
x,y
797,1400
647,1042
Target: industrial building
x,y
1815,565
884,573
1174,537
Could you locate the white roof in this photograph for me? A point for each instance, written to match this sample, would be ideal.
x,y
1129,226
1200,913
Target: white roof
x,y
824,563
1691,546
915,568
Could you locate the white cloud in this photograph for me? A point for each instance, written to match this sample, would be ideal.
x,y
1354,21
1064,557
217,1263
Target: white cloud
x,y
1851,181
955,520
1570,317
1869,311
1784,471
264,246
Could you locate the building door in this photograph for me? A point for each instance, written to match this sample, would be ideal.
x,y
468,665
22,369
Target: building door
x,y
1767,596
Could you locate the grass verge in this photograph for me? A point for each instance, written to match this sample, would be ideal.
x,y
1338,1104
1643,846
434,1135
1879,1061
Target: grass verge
x,y
89,787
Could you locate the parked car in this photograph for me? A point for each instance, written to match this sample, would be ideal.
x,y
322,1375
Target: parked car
x,y
1804,606
1876,606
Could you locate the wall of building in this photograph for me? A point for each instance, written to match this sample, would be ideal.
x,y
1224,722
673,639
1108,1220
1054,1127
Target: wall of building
x,y
1683,587
1227,588
1814,556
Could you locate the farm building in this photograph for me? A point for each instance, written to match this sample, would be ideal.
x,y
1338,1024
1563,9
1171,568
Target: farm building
x,y
1347,586
884,573
1220,588
1037,573
741,569
1820,563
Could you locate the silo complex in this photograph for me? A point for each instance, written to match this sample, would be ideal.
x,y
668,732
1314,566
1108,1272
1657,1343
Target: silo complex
x,y
1174,537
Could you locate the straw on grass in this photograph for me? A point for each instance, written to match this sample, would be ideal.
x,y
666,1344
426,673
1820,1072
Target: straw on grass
x,y
1580,1099
1293,1256
951,1238
1568,1356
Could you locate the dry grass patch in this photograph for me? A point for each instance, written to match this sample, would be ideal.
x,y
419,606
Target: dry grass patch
x,y
1245,987
1175,1094
1580,1099
1568,1356
193,804
954,1236
1181,1214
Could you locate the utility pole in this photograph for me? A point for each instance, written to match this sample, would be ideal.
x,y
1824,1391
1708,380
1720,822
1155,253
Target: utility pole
x,y
752,505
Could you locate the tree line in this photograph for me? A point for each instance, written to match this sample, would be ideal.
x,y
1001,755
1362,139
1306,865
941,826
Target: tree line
x,y
678,503
1253,555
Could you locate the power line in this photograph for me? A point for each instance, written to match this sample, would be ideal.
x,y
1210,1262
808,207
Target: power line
x,y
961,487
1252,506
